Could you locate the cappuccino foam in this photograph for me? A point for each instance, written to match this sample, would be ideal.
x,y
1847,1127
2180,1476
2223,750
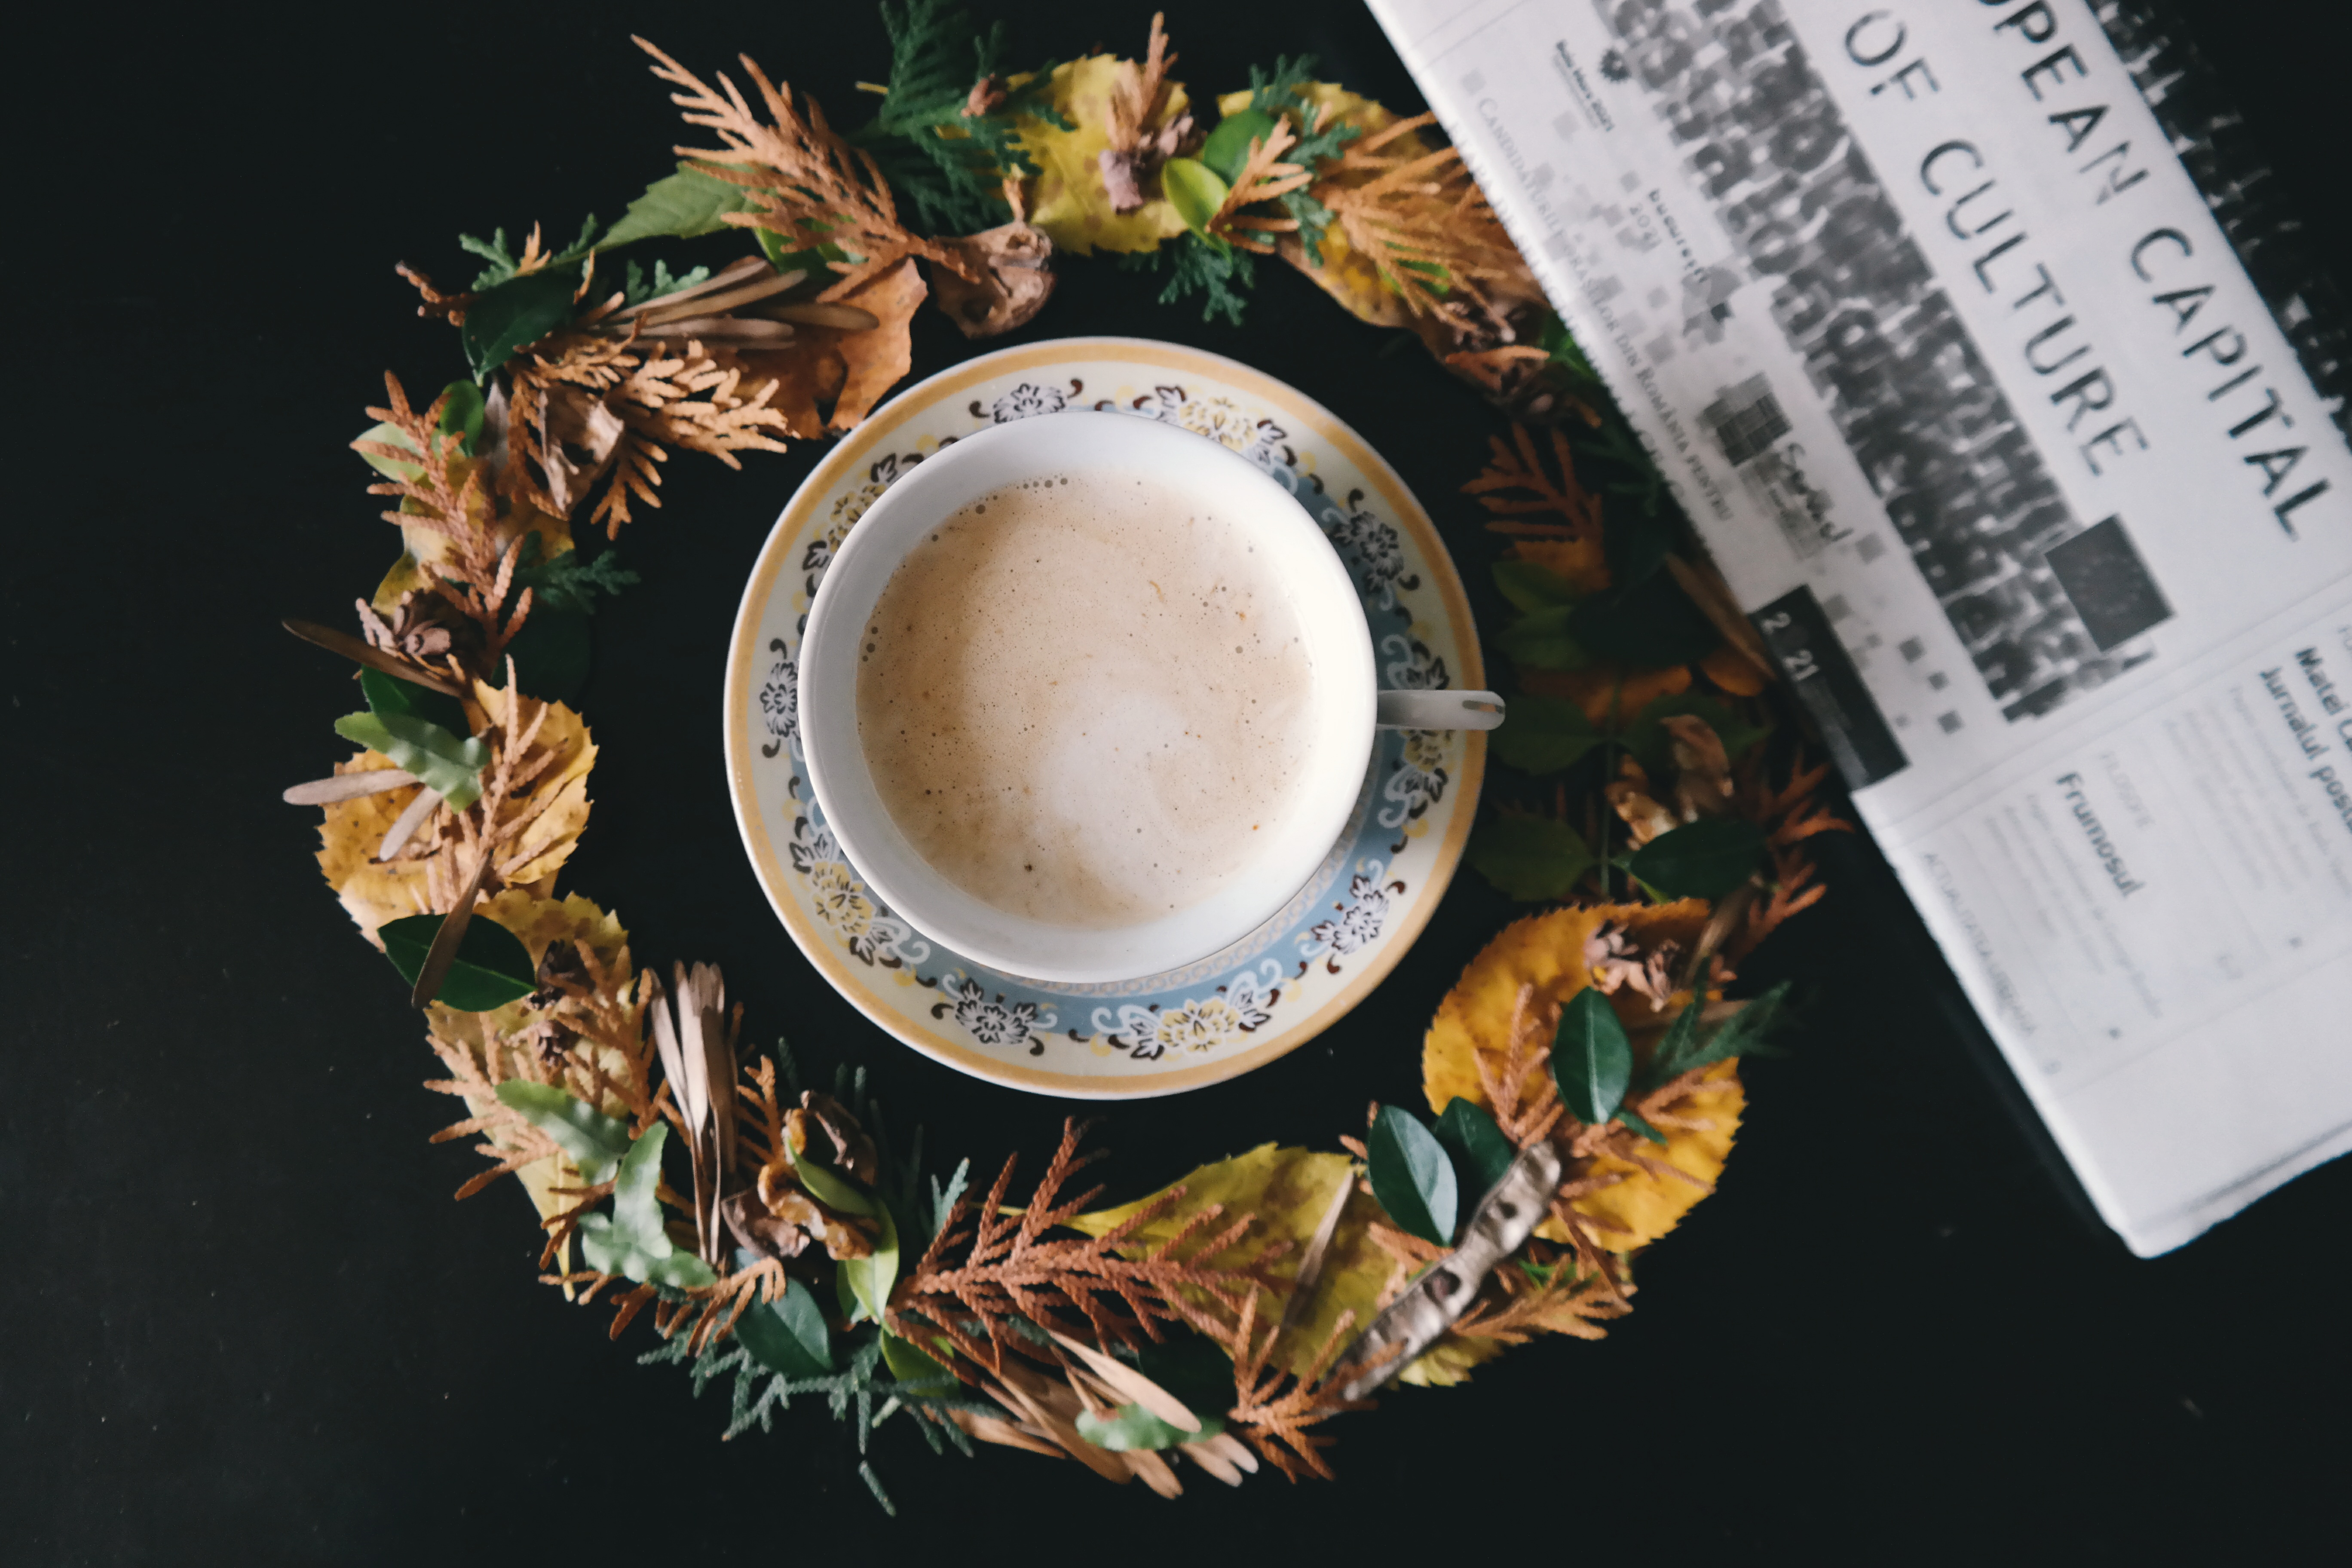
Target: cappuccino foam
x,y
1084,699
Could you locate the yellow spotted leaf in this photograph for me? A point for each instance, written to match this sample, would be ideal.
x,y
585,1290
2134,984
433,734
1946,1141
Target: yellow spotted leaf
x,y
1449,1361
1066,198
558,796
1606,686
371,893
1582,563
1289,1192
538,923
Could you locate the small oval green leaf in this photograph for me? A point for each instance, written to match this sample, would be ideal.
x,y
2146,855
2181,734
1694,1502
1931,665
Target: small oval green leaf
x,y
518,312
831,1188
492,968
1703,859
1592,1059
1545,639
1411,1176
910,1363
869,1278
1543,734
388,694
1481,1153
1194,189
1531,587
1227,148
1531,858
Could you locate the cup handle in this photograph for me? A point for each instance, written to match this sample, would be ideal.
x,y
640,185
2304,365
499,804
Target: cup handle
x,y
1439,710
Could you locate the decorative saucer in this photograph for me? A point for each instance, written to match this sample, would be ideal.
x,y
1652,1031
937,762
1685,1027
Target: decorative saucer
x,y
1280,986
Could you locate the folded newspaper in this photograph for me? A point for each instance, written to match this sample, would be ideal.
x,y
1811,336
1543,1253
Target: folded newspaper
x,y
1939,317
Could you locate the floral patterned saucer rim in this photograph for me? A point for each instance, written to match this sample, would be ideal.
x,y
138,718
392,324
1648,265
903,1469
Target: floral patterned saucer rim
x,y
745,658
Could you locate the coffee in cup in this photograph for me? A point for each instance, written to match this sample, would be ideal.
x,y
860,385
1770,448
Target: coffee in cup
x,y
1081,697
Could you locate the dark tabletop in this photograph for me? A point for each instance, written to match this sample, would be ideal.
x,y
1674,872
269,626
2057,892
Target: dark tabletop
x,y
244,1321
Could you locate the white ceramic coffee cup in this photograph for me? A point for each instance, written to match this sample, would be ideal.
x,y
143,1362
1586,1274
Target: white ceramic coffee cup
x,y
1346,710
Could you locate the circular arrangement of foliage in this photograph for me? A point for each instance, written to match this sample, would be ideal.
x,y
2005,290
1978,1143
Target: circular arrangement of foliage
x,y
1584,1076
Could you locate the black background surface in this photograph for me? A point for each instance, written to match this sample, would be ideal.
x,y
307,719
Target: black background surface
x,y
243,1320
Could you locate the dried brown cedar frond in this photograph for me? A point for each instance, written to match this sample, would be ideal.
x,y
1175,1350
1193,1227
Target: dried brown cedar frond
x,y
814,187
1513,378
1263,178
1273,1411
1515,484
436,306
1518,1308
1791,816
620,403
1007,1271
1139,99
448,499
1422,222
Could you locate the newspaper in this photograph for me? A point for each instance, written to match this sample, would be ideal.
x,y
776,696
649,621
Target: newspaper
x,y
2030,491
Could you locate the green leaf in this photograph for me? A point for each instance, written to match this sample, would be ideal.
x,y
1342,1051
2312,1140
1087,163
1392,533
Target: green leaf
x,y
869,1278
1632,1120
1479,1151
1411,1176
777,1335
595,1143
1531,587
1636,543
1592,1059
390,468
1227,148
831,1188
680,207
631,1241
1543,734
1531,858
908,1364
1545,639
1195,190
492,967
388,694
463,415
1650,625
519,310
1675,1047
1747,1033
1703,860
1653,747
450,767
1131,1426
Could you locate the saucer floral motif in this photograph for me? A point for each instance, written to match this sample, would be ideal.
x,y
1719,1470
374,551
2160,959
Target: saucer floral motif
x,y
1286,981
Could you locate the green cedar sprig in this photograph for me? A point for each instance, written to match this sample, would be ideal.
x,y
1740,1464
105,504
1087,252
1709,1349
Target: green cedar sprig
x,y
951,167
1194,266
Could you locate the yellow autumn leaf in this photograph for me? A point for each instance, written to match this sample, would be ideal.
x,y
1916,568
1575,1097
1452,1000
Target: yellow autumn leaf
x,y
422,547
1547,953
558,794
1647,1204
1289,1191
371,892
1065,196
1447,1362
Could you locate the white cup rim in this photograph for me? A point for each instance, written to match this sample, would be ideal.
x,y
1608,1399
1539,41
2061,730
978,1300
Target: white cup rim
x,y
1329,609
